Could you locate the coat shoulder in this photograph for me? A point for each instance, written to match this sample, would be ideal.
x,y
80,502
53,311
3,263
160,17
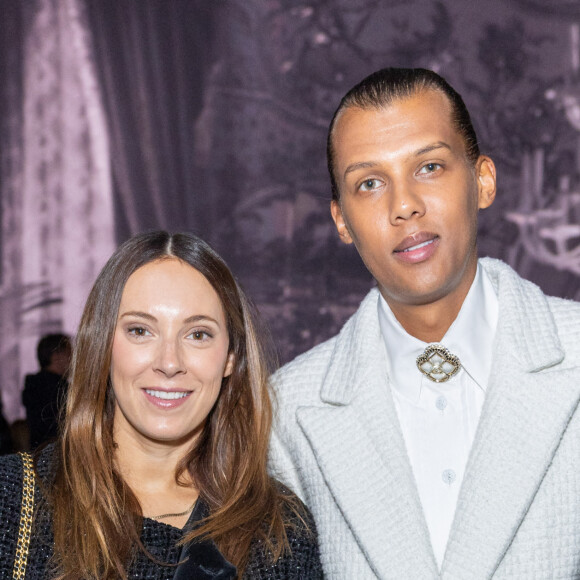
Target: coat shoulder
x,y
566,315
305,371
299,381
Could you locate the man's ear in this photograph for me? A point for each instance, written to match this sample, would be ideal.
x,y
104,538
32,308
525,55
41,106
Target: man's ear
x,y
486,181
339,222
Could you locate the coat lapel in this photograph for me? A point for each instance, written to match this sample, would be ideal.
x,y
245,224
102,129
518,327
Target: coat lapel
x,y
360,449
529,402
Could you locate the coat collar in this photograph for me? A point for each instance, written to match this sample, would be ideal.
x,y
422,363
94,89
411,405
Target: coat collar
x,y
524,317
524,314
359,425
356,349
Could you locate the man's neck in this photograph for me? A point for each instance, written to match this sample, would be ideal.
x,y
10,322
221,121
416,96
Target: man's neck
x,y
424,322
429,322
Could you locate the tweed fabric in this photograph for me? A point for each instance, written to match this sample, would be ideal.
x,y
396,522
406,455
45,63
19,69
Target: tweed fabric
x,y
338,444
160,539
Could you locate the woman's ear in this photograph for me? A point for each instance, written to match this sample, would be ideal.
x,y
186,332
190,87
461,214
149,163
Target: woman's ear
x,y
229,368
486,181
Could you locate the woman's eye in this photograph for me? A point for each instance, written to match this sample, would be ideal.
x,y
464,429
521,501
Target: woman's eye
x,y
138,331
430,168
199,335
369,184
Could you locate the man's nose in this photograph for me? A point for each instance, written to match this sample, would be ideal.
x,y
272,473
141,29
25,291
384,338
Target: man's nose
x,y
405,201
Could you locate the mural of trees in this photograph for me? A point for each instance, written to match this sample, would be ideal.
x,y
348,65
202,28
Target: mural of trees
x,y
212,117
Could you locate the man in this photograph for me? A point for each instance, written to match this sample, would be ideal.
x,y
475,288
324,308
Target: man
x,y
438,434
45,391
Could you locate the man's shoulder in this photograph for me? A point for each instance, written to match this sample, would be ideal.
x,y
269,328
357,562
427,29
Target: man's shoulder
x,y
311,361
300,380
537,306
305,374
566,315
499,271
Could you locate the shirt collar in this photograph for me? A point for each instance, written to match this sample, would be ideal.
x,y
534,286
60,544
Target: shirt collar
x,y
470,337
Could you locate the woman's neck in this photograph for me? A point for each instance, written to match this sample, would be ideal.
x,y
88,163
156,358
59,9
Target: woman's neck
x,y
148,468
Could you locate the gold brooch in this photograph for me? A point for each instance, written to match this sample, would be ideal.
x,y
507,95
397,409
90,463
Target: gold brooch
x,y
437,363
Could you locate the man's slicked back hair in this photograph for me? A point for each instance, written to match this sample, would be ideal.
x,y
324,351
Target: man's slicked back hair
x,y
382,88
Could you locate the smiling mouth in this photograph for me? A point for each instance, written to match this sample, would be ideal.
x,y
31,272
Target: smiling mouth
x,y
167,395
416,242
418,246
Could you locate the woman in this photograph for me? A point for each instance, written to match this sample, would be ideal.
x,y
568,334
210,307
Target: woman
x,y
160,471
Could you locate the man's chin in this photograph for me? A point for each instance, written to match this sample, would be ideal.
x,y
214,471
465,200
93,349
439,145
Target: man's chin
x,y
424,294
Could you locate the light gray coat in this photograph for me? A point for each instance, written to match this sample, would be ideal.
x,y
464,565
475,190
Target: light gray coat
x,y
338,443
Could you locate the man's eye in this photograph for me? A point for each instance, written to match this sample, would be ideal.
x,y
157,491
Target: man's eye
x,y
430,168
369,184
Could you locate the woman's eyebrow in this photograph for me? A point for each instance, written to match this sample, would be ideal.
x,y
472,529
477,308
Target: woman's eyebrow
x,y
139,314
188,320
200,317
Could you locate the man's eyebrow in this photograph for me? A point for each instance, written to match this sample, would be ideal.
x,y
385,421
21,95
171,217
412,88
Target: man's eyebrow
x,y
361,165
370,164
432,147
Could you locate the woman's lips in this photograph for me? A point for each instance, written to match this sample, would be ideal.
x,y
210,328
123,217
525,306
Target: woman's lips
x,y
166,399
417,248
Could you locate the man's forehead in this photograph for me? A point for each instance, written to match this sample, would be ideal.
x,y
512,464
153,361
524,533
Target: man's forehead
x,y
416,121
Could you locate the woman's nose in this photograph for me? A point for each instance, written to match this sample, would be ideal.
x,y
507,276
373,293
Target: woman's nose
x,y
170,358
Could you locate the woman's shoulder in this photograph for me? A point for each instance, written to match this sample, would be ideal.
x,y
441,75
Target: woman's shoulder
x,y
10,500
294,510
45,461
10,474
302,558
11,479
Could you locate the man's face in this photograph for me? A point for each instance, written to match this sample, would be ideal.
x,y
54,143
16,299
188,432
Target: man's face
x,y
409,197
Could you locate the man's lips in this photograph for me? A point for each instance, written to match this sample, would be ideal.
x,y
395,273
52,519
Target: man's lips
x,y
417,248
416,242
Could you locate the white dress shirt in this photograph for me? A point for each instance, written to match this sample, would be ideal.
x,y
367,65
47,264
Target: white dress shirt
x,y
439,420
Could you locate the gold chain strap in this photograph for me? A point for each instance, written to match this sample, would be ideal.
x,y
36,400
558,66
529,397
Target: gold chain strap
x,y
26,511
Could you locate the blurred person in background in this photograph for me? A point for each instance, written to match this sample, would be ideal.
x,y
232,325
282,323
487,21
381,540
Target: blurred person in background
x,y
6,444
44,392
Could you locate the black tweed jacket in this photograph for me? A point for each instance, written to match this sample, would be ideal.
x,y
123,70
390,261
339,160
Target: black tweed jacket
x,y
205,562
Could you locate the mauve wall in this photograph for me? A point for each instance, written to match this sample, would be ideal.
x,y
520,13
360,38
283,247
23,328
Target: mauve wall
x,y
126,115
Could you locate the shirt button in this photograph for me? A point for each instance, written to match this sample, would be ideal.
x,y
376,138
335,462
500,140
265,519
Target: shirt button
x,y
448,476
441,402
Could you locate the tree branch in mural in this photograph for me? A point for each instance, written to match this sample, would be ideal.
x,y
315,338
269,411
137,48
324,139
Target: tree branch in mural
x,y
273,91
535,149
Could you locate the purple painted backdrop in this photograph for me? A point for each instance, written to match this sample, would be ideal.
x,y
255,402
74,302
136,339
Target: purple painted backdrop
x,y
125,115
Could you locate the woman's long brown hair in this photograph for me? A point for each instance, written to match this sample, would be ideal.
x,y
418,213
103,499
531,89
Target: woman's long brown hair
x,y
96,516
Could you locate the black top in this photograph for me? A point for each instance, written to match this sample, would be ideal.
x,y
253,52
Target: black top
x,y
204,561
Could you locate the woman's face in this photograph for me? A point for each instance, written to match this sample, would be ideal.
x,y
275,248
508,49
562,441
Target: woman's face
x,y
170,354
